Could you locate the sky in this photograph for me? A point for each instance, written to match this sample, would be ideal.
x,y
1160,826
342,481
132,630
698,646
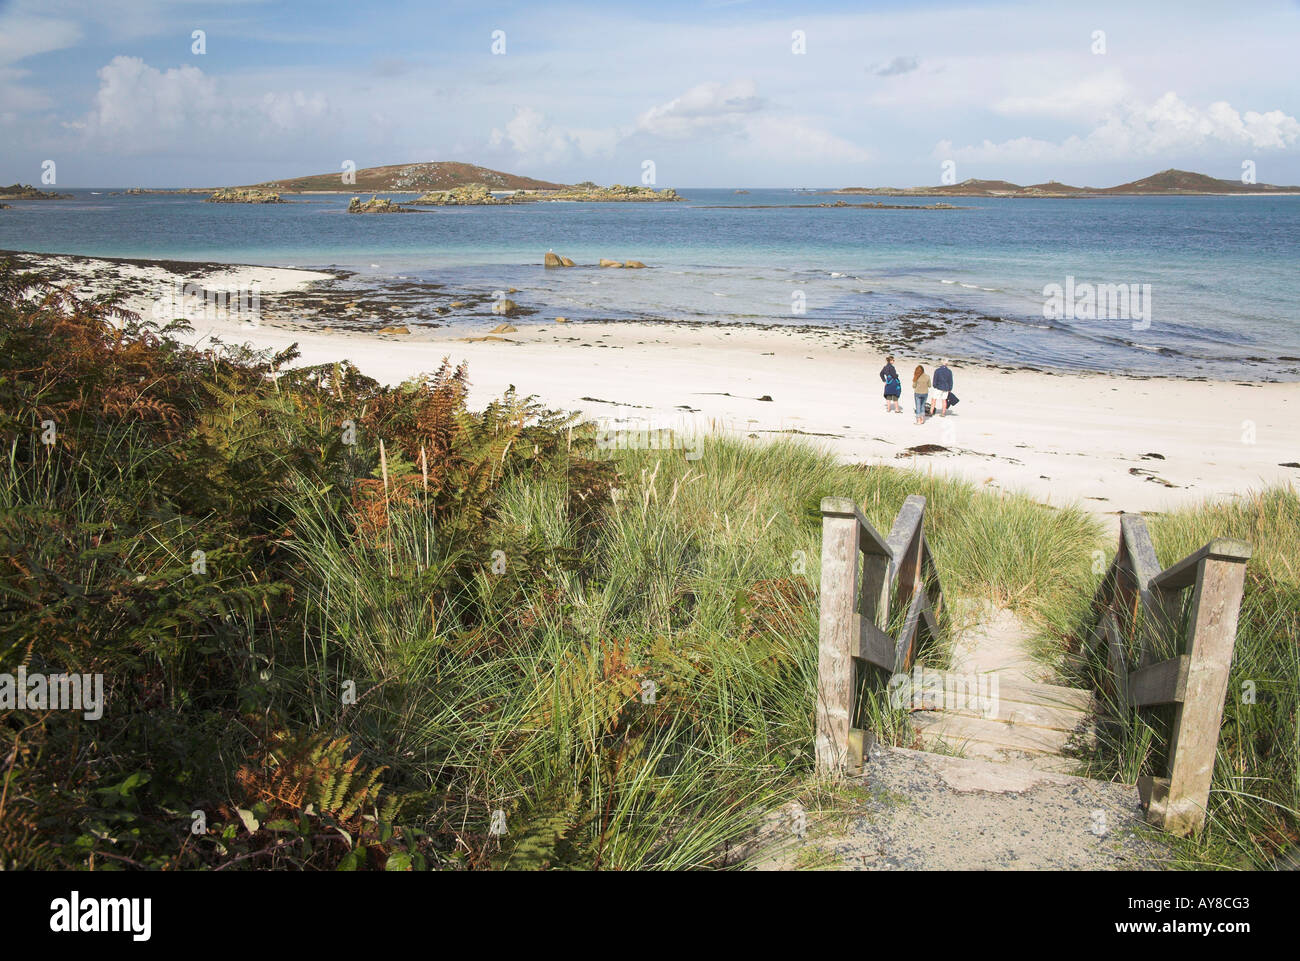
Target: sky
x,y
716,94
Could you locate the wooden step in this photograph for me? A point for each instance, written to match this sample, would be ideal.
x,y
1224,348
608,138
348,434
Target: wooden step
x,y
1009,757
1023,692
1048,695
1031,715
962,733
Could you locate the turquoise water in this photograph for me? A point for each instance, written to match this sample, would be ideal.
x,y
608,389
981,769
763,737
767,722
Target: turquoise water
x,y
1223,295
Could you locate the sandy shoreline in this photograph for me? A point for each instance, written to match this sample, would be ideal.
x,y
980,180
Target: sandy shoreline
x,y
1110,443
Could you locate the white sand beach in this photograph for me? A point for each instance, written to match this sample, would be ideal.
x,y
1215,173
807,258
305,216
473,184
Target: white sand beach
x,y
1109,443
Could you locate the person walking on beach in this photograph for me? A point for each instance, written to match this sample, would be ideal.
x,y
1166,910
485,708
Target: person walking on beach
x,y
893,386
939,391
920,391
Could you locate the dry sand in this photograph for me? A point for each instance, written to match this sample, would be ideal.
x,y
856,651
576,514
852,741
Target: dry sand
x,y
1109,443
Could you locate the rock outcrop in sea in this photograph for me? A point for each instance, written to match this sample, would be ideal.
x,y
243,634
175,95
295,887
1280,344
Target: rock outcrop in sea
x,y
375,205
591,193
28,192
243,195
479,195
470,195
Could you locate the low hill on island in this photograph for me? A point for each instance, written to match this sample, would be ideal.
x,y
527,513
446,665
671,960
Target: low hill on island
x,y
1166,183
410,178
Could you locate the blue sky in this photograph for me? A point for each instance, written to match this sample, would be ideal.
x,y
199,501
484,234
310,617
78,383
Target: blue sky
x,y
714,94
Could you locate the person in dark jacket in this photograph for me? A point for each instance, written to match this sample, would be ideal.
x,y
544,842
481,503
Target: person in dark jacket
x,y
939,387
893,386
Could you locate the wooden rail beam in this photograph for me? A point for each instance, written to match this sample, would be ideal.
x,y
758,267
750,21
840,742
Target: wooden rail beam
x,y
1162,683
854,615
1220,576
839,633
1159,608
1183,574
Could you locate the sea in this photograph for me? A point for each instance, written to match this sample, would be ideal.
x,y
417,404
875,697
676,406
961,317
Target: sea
x,y
1179,286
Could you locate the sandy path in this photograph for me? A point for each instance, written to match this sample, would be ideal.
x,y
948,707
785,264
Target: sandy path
x,y
915,811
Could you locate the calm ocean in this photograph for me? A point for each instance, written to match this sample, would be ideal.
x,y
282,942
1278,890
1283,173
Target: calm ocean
x,y
1224,285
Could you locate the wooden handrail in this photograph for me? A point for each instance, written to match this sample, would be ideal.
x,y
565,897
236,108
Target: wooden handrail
x,y
1183,574
844,507
1195,680
854,614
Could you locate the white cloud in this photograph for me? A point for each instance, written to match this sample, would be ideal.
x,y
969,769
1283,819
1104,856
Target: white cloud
x,y
1089,98
530,133
139,108
135,99
735,113
707,106
23,36
793,138
289,111
1132,130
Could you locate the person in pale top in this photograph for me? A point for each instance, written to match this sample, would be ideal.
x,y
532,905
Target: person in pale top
x,y
920,391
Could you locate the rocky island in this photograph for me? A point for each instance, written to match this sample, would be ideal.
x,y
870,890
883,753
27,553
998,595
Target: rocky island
x,y
375,205
1167,183
589,192
28,192
481,195
243,195
472,195
448,184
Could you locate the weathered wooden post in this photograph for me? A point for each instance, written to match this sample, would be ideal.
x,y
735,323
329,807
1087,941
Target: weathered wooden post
x,y
1178,803
837,633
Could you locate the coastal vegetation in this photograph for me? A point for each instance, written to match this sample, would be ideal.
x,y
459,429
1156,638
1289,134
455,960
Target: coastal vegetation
x,y
344,625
